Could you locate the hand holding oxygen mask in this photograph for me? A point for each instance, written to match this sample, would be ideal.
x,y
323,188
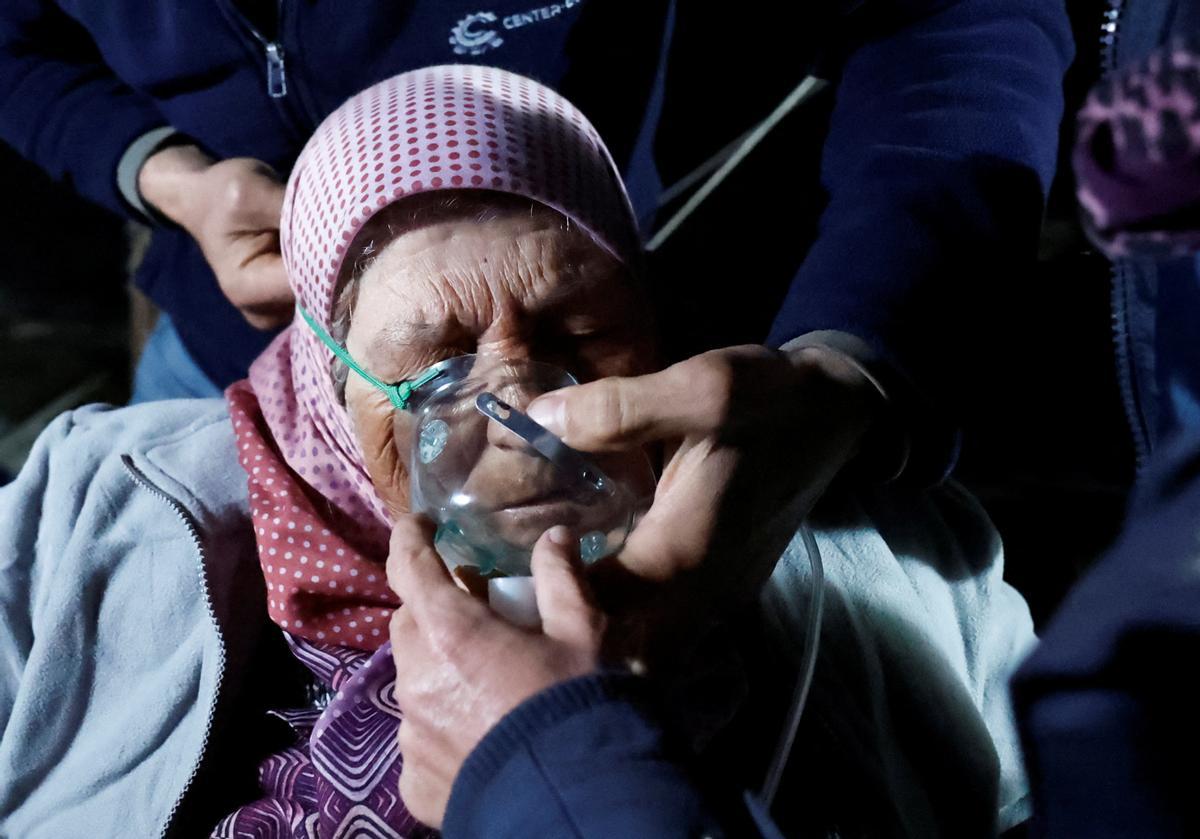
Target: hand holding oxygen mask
x,y
493,480
752,438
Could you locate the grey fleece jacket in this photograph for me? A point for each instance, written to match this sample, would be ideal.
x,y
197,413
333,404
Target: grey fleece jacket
x,y
125,556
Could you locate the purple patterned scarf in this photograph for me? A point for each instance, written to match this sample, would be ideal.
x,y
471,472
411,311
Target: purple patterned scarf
x,y
342,777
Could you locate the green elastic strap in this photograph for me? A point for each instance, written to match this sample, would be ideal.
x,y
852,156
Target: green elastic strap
x,y
398,394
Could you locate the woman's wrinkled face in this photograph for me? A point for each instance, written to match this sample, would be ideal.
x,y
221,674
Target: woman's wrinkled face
x,y
520,286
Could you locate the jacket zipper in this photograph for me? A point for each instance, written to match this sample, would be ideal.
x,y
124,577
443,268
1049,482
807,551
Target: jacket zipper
x,y
288,104
184,516
1125,378
276,67
1108,35
1124,361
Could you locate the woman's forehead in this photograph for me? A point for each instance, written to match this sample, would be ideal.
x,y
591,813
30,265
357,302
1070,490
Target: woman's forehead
x,y
467,269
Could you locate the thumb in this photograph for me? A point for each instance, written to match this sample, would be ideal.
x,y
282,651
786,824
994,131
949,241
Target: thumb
x,y
563,599
618,413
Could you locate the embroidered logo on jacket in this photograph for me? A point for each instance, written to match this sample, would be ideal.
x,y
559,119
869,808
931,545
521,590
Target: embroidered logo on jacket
x,y
476,33
468,39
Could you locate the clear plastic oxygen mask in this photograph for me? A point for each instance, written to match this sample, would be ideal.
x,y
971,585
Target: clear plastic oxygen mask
x,y
493,480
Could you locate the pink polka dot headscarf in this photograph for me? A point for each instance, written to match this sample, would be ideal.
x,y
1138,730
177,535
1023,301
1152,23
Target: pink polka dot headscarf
x,y
448,127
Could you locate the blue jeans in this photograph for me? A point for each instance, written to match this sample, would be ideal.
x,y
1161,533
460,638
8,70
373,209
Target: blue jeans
x,y
167,371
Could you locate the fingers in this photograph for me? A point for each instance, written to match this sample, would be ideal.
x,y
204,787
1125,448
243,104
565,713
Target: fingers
x,y
412,536
262,293
693,396
562,597
615,413
416,573
677,531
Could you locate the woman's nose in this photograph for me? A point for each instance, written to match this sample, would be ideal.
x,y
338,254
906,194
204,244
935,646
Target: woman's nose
x,y
515,395
507,335
509,348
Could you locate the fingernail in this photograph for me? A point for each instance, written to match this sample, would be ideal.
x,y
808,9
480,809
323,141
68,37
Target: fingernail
x,y
559,535
550,413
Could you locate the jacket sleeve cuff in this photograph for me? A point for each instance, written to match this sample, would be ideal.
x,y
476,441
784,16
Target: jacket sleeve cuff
x,y
885,451
130,166
586,755
535,716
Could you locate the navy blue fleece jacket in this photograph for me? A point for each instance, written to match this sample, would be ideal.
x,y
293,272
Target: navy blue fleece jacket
x,y
584,759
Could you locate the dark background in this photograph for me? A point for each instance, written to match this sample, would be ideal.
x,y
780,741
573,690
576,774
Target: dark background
x,y
64,308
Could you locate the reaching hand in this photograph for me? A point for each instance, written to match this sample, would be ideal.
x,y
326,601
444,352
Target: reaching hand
x,y
753,436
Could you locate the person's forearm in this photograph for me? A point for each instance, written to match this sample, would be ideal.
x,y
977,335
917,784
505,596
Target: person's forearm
x,y
941,149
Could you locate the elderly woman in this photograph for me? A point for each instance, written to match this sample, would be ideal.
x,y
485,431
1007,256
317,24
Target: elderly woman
x,y
447,211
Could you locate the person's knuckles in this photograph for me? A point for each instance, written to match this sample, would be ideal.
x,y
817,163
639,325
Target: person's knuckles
x,y
422,698
248,194
264,170
708,383
236,194
394,572
396,633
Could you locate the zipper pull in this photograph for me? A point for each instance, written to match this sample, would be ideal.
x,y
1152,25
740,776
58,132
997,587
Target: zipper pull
x,y
276,72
